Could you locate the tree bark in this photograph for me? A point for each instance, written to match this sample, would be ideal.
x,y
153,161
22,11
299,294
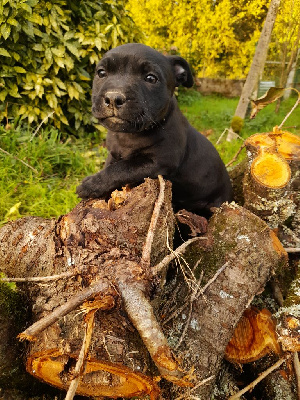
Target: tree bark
x,y
257,62
204,317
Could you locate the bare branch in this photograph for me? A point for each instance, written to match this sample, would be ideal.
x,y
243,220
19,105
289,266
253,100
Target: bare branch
x,y
145,260
18,159
260,378
82,355
202,290
38,128
170,257
31,332
236,155
203,382
292,249
38,279
295,106
142,316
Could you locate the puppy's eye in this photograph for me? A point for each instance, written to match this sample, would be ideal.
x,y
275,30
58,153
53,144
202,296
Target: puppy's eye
x,y
150,78
101,73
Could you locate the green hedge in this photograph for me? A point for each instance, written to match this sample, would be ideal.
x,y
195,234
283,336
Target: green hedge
x,y
48,51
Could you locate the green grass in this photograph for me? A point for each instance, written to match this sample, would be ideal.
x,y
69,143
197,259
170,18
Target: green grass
x,y
212,114
60,164
47,189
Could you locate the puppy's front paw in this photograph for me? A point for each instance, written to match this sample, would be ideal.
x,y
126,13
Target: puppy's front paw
x,y
90,188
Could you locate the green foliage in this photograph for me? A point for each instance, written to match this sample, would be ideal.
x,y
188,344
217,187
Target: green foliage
x,y
48,50
218,38
59,166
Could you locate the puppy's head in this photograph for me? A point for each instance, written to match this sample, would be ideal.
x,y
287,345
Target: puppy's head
x,y
133,87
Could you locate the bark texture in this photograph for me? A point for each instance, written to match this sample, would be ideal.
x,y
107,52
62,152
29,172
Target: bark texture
x,y
237,258
258,61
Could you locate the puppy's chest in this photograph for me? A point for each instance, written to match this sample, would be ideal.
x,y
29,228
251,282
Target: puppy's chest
x,y
129,145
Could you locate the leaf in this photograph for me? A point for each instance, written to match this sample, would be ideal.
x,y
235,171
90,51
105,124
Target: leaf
x,y
72,48
13,90
20,70
13,211
12,21
59,52
38,47
4,52
272,95
83,75
3,94
5,31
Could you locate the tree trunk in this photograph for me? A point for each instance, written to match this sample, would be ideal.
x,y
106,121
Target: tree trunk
x,y
257,63
199,316
271,181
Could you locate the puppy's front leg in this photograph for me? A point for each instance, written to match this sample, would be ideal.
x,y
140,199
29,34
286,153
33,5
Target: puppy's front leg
x,y
118,174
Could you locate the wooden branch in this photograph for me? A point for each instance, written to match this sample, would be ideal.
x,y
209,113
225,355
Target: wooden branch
x,y
294,107
89,321
145,260
292,249
260,378
41,279
170,257
18,159
31,332
203,382
141,314
219,271
235,156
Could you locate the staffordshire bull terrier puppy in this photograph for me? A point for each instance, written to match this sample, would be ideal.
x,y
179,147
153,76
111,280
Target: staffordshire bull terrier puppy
x,y
133,97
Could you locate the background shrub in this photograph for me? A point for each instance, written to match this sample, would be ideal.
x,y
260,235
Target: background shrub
x,y
47,54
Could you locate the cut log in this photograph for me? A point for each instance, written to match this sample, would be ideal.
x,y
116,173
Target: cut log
x,y
271,182
254,337
199,317
101,244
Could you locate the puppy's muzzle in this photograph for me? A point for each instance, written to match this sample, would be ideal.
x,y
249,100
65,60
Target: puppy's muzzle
x,y
114,99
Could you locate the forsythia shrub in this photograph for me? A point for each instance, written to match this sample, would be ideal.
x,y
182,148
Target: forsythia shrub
x,y
48,51
218,38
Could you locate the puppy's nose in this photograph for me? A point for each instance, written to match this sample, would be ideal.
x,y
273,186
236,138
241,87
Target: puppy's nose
x,y
115,99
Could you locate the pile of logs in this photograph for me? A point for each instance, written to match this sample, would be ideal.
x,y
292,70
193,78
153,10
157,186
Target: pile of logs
x,y
111,310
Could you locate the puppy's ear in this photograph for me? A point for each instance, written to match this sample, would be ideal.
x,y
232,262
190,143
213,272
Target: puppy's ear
x,y
182,71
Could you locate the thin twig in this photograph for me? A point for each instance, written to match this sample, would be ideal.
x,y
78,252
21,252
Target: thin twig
x,y
145,259
203,382
38,128
185,327
170,257
18,159
82,355
40,278
292,249
214,277
236,155
260,378
297,373
31,332
222,134
295,106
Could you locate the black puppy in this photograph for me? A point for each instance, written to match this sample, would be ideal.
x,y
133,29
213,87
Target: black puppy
x,y
133,97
